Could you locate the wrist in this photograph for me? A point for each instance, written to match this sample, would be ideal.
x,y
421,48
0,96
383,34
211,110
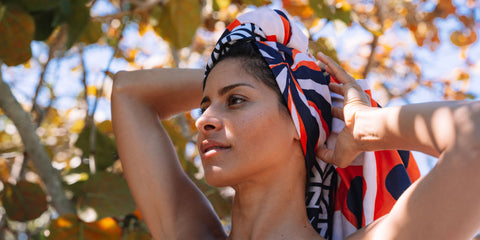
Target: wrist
x,y
369,129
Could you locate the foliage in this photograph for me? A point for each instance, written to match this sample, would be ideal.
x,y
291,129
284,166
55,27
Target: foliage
x,y
83,150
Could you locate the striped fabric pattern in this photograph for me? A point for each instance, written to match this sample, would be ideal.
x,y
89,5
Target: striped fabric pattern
x,y
338,201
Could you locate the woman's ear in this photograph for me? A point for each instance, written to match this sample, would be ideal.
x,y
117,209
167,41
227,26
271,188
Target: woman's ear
x,y
295,134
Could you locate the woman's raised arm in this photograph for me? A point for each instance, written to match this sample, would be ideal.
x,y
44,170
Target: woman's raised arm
x,y
171,204
442,205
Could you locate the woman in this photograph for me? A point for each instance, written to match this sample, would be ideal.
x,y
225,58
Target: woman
x,y
248,140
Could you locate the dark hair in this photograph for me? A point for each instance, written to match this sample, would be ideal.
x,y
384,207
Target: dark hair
x,y
253,63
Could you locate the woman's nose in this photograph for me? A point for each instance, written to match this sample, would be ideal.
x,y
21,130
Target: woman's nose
x,y
208,121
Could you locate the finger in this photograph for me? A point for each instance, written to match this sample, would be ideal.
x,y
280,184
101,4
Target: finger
x,y
321,65
336,88
325,154
344,152
338,113
334,69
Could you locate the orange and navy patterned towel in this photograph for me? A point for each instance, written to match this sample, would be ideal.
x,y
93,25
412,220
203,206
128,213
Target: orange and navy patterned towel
x,y
338,200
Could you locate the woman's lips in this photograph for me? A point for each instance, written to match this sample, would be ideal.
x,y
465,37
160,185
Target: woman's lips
x,y
209,147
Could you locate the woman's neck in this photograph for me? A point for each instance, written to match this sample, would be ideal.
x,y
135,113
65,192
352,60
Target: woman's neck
x,y
272,207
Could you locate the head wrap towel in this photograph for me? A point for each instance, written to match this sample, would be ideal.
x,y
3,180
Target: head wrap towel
x,y
333,206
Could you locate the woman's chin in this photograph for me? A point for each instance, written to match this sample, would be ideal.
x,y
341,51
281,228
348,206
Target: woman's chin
x,y
216,177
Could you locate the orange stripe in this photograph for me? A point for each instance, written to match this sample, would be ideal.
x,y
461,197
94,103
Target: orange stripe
x,y
286,28
303,134
324,124
275,65
309,64
233,25
372,102
272,38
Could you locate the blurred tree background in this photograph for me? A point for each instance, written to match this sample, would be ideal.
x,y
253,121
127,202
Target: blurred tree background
x,y
59,169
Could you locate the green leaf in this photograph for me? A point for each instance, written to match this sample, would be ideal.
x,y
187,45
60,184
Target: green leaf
x,y
70,227
39,5
77,21
3,9
257,3
137,234
91,34
24,201
43,24
105,148
107,194
178,31
321,9
343,15
220,4
17,29
325,46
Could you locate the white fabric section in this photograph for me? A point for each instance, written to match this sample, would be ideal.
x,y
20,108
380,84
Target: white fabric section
x,y
341,226
301,57
314,113
282,79
265,54
316,193
273,45
370,176
323,90
271,24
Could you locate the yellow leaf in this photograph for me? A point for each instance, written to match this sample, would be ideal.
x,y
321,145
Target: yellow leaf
x,y
298,8
91,90
222,4
77,126
105,127
27,65
463,38
130,55
76,68
143,27
4,169
463,76
178,31
53,117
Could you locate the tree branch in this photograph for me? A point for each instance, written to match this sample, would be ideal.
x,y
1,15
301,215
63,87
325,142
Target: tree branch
x,y
84,80
91,117
34,148
371,57
40,82
138,9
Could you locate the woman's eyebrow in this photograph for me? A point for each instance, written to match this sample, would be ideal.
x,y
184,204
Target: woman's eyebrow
x,y
225,89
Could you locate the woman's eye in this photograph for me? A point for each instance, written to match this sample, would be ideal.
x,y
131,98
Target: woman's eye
x,y
203,109
233,100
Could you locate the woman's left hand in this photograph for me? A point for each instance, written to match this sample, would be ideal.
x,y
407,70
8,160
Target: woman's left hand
x,y
347,146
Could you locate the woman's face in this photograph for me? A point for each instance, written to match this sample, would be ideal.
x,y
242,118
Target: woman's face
x,y
244,132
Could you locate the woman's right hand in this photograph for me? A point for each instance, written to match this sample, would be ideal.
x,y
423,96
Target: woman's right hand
x,y
348,144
